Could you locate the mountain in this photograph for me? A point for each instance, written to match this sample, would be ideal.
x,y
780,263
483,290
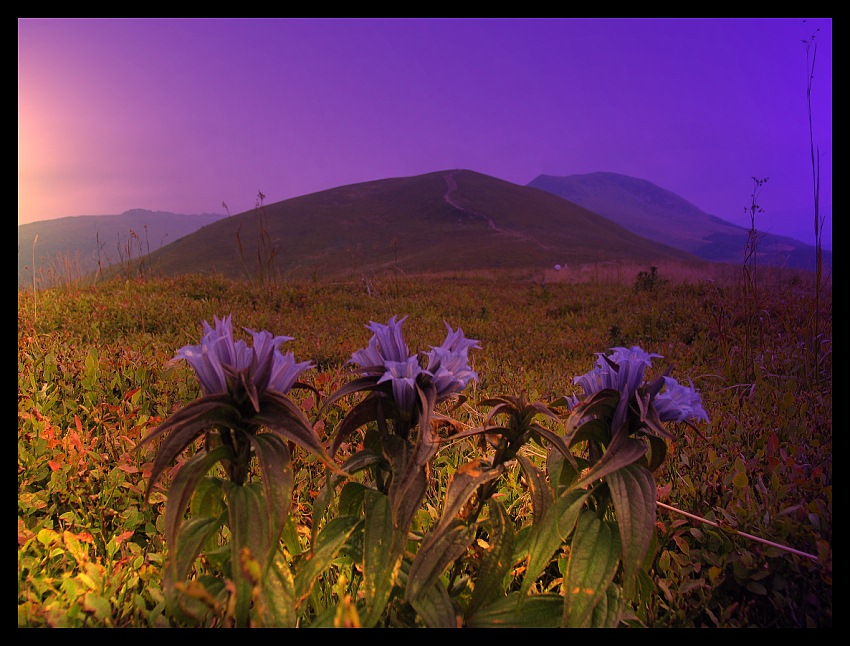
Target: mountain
x,y
74,245
455,220
658,214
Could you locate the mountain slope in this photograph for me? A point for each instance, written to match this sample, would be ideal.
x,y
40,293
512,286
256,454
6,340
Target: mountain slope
x,y
442,221
83,240
663,216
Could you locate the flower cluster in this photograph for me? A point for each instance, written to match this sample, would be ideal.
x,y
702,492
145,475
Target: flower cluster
x,y
244,393
623,370
387,356
219,359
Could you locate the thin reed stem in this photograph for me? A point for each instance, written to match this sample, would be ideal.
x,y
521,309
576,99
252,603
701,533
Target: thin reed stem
x,y
731,530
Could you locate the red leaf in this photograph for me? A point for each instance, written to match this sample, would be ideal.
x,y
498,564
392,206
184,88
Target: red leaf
x,y
123,537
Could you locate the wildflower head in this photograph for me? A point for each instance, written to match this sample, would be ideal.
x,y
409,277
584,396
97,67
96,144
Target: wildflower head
x,y
448,364
388,358
402,376
624,371
389,370
224,365
387,344
243,392
678,403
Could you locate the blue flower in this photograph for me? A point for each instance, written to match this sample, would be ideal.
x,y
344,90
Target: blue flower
x,y
219,356
388,357
387,344
244,408
403,376
448,364
677,403
284,371
623,370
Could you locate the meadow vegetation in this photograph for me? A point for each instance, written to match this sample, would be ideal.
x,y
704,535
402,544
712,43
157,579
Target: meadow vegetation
x,y
93,381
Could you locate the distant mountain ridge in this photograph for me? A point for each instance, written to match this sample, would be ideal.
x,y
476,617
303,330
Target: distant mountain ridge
x,y
663,216
83,240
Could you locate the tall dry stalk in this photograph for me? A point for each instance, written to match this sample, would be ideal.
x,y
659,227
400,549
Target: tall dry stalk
x,y
750,292
814,351
34,290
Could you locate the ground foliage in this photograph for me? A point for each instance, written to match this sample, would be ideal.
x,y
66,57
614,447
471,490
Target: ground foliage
x,y
92,381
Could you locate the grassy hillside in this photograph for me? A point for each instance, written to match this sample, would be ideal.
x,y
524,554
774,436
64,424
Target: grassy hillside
x,y
444,221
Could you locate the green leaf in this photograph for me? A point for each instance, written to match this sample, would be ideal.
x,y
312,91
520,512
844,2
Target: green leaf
x,y
600,405
518,611
594,556
657,451
497,559
568,506
621,452
289,536
633,492
592,429
194,534
276,605
358,416
278,480
435,555
557,442
281,416
184,485
380,562
408,485
609,611
561,472
331,539
249,527
351,498
410,471
435,607
98,606
184,427
361,460
541,493
548,534
462,484
209,498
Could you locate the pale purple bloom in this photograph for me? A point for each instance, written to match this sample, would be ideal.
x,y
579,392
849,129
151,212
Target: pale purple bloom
x,y
387,344
448,364
677,403
626,378
403,375
284,370
456,341
219,354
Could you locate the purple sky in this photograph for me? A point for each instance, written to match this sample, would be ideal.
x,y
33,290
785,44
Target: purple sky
x,y
183,114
